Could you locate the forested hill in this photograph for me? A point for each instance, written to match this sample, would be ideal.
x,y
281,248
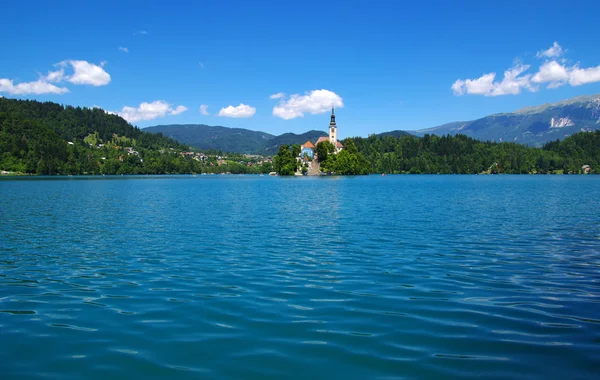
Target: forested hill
x,y
206,137
48,138
397,133
73,123
239,140
271,146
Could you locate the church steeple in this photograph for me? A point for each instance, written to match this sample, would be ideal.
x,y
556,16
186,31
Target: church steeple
x,y
333,129
332,123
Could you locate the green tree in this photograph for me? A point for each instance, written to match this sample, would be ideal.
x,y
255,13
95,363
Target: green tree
x,y
295,150
285,162
324,149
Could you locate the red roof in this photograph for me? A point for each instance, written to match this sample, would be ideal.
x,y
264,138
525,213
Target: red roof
x,y
322,138
307,144
339,145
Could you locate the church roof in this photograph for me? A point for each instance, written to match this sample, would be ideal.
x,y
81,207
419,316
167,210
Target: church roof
x,y
308,144
339,145
321,139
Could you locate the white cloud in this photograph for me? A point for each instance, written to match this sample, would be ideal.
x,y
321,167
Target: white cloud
x,y
583,76
149,111
511,84
55,76
142,32
554,51
557,75
278,95
480,86
85,72
314,102
178,110
204,109
26,88
552,71
123,49
242,110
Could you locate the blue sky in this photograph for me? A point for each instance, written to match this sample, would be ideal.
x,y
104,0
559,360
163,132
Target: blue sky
x,y
385,64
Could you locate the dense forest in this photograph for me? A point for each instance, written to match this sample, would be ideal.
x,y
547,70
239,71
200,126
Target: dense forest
x,y
464,155
347,162
48,138
458,154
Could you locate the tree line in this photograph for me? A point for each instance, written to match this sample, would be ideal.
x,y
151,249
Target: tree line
x,y
461,154
48,138
448,154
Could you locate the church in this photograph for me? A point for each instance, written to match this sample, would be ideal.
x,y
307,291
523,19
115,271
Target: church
x,y
308,148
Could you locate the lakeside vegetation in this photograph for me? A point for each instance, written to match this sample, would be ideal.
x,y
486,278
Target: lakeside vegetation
x,y
48,138
347,162
458,154
464,155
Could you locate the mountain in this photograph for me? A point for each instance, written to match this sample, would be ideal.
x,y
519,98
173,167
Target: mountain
x,y
237,140
397,133
291,138
207,137
532,125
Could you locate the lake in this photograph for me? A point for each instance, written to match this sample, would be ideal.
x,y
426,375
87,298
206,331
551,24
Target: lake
x,y
314,277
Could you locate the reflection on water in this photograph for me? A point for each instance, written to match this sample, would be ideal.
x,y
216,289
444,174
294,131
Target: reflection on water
x,y
410,276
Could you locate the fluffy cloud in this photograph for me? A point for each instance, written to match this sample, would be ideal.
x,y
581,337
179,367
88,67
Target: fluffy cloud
x,y
554,51
178,110
314,102
557,75
278,95
552,72
149,111
55,76
38,87
242,110
123,49
140,32
582,76
85,72
204,109
511,84
479,86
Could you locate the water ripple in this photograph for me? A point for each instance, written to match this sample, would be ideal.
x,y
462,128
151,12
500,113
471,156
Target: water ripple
x,y
412,276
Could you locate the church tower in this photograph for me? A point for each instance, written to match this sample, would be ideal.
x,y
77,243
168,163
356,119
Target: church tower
x,y
333,129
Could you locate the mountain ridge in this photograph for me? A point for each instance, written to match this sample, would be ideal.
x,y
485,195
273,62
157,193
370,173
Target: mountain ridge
x,y
534,125
239,140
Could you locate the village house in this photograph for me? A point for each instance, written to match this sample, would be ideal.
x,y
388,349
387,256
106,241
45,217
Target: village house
x,y
307,149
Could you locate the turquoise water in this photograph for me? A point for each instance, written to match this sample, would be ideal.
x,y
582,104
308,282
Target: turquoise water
x,y
268,277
